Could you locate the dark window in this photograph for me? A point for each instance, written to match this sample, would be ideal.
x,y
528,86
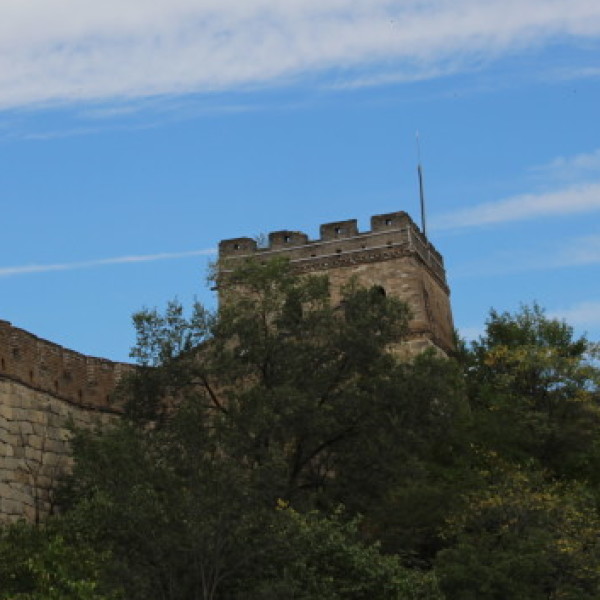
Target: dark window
x,y
287,239
388,221
339,230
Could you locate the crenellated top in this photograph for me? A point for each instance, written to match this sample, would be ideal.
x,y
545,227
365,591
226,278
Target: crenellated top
x,y
340,240
82,380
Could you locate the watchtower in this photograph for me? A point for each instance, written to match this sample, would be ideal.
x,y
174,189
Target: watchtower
x,y
393,255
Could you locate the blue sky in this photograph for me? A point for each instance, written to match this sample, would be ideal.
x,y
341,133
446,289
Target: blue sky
x,y
134,135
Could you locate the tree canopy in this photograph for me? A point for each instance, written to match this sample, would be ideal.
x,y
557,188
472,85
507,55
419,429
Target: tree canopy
x,y
281,449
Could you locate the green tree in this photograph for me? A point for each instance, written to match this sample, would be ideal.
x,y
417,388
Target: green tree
x,y
38,563
326,558
527,525
534,390
285,378
282,396
522,537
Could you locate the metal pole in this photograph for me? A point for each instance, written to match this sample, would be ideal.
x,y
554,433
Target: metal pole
x,y
421,188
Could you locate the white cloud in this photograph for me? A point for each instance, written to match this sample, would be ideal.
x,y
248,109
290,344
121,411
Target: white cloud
x,y
32,269
70,50
582,251
575,199
570,74
584,314
571,167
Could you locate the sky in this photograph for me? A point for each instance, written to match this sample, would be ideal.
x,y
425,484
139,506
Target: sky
x,y
134,135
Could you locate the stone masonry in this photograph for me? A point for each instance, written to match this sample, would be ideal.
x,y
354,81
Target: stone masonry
x,y
393,255
43,388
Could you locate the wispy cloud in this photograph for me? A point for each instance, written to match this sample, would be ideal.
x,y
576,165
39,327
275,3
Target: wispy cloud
x,y
581,251
570,74
574,199
71,51
584,314
88,264
578,167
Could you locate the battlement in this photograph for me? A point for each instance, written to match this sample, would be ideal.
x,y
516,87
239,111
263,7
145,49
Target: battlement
x,y
391,235
84,381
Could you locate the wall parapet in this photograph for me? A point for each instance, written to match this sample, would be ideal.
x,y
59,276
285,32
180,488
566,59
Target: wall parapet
x,y
84,381
394,232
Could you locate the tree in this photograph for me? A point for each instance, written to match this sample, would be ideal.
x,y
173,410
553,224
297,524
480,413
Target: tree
x,y
284,377
37,563
280,397
522,537
534,389
527,525
325,558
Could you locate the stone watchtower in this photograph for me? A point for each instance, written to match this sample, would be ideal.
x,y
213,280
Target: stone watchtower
x,y
393,255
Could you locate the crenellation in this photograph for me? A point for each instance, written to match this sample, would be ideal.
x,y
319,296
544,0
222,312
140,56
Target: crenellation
x,y
44,387
237,246
45,366
389,230
283,239
394,255
388,221
339,230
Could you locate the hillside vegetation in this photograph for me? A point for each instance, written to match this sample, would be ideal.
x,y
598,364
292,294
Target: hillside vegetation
x,y
281,450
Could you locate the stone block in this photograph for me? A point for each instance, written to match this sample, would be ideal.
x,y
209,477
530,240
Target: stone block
x,y
25,427
11,507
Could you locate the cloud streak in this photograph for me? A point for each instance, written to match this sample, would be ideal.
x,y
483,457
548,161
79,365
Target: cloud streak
x,y
586,314
582,251
74,50
579,167
89,264
581,198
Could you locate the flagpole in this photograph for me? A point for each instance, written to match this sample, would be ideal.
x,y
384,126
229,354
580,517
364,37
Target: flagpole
x,y
421,187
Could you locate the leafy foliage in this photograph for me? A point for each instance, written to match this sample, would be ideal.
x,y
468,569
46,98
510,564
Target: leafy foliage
x,y
39,564
528,526
281,449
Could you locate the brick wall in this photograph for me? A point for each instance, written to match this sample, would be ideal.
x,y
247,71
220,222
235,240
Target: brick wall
x,y
43,387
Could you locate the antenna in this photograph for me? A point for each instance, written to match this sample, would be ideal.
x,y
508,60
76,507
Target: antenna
x,y
421,188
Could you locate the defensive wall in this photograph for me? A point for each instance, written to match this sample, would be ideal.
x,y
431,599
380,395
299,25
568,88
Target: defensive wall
x,y
393,255
43,388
